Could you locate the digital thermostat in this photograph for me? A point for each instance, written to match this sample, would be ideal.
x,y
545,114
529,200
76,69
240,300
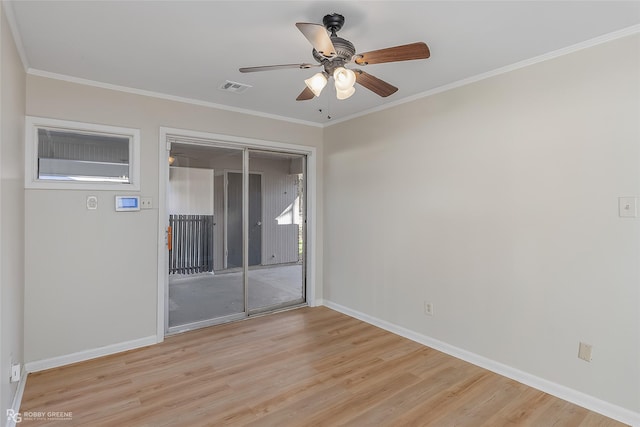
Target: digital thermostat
x,y
127,203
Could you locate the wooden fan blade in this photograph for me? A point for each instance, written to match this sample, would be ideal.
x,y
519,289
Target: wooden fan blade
x,y
405,52
276,67
305,95
318,37
374,84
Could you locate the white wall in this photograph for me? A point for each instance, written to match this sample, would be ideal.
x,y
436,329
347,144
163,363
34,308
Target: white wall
x,y
91,276
12,107
190,191
498,203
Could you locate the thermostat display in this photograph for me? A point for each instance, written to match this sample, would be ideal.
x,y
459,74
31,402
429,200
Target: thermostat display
x,y
127,203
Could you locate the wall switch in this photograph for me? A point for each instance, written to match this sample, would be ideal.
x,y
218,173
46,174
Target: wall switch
x,y
584,352
15,373
428,308
146,203
628,207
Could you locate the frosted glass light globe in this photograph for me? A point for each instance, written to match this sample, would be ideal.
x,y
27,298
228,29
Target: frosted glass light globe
x,y
344,78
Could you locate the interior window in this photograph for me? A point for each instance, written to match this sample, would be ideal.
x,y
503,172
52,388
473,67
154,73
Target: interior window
x,y
74,156
83,154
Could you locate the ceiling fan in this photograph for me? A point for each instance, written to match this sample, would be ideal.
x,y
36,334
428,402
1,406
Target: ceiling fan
x,y
333,53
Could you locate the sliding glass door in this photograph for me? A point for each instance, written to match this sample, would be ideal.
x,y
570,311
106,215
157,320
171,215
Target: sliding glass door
x,y
276,232
237,233
205,218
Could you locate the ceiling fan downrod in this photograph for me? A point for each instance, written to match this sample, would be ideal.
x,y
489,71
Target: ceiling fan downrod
x,y
333,23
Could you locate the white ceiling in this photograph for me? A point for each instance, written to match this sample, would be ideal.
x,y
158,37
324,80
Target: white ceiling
x,y
188,49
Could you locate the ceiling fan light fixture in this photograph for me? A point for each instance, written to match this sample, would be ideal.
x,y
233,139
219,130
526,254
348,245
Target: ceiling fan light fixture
x,y
316,83
332,52
346,93
344,78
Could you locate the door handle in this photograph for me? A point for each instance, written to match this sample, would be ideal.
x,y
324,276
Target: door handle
x,y
259,223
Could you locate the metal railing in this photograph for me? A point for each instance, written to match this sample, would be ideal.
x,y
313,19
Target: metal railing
x,y
191,244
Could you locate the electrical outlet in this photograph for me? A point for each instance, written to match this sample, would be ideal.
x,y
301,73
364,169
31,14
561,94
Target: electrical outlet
x,y
584,352
15,373
428,308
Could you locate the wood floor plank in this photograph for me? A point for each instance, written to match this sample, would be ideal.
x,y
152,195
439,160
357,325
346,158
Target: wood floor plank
x,y
374,394
305,367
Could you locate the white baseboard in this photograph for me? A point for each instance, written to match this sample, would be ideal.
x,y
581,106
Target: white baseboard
x,y
81,356
318,302
17,398
581,399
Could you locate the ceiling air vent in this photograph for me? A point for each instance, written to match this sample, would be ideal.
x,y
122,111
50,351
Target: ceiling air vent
x,y
235,87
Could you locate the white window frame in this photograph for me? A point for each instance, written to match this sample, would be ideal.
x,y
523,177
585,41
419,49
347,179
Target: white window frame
x,y
32,124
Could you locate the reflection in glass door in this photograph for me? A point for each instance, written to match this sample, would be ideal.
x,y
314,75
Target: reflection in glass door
x,y
206,286
276,231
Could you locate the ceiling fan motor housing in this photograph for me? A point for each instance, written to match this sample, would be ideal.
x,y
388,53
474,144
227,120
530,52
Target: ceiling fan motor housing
x,y
344,52
344,48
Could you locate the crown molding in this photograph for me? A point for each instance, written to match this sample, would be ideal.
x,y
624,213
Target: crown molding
x,y
635,29
625,32
167,97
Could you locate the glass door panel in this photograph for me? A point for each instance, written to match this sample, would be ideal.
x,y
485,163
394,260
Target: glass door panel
x,y
204,203
225,262
276,230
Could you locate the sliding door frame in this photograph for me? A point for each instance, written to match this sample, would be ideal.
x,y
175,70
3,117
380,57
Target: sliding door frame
x,y
227,141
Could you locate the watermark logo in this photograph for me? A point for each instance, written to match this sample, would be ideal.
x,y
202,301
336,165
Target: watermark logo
x,y
18,417
13,416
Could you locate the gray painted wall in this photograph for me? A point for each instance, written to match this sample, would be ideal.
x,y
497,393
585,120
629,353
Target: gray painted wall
x,y
12,107
498,203
280,234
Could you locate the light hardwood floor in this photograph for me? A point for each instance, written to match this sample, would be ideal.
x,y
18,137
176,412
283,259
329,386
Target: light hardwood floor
x,y
305,367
